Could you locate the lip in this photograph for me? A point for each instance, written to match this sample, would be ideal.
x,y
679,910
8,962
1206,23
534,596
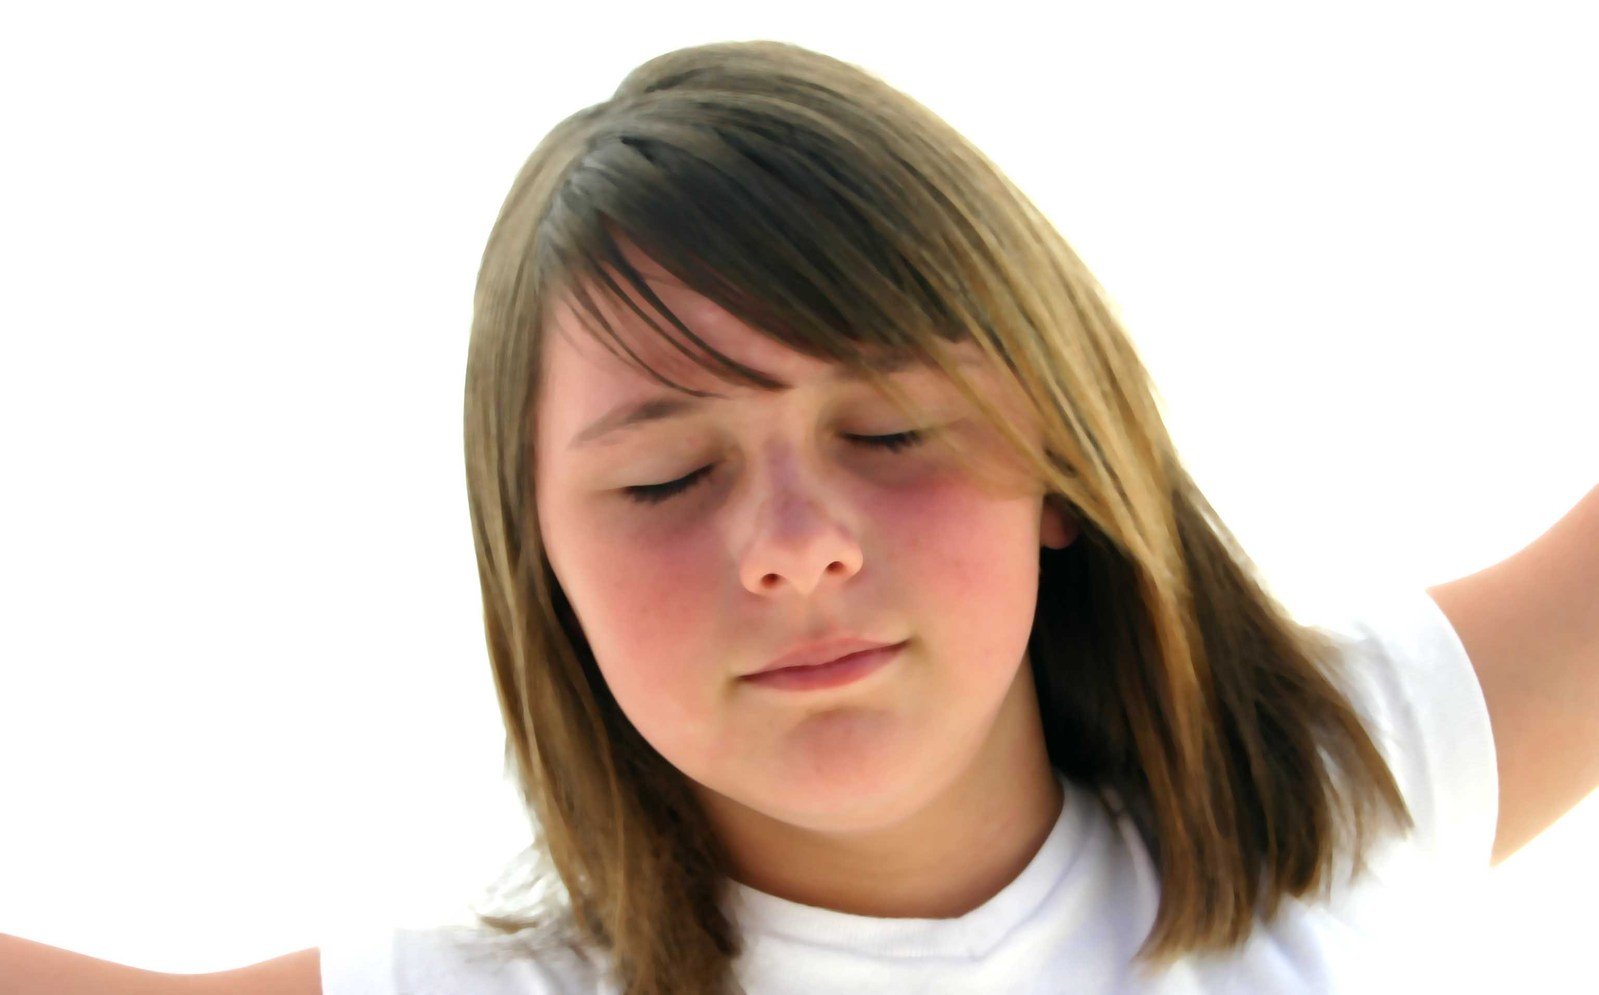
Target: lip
x,y
820,651
841,670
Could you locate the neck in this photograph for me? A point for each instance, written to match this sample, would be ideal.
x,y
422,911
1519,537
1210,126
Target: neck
x,y
955,852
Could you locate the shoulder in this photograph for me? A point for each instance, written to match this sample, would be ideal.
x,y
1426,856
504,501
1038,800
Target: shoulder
x,y
458,959
1406,673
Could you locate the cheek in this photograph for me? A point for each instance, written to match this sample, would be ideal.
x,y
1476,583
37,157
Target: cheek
x,y
966,564
954,538
646,610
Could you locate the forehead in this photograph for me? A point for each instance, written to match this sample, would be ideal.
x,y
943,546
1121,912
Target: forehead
x,y
577,362
581,378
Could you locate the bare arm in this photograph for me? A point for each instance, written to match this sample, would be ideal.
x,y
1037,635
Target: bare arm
x,y
28,967
1530,625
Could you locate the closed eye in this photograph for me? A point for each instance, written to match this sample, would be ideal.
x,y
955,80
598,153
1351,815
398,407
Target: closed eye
x,y
657,493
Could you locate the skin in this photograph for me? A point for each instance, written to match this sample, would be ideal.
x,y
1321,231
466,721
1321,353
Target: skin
x,y
921,790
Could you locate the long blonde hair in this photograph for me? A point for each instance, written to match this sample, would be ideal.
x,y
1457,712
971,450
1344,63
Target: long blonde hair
x,y
840,217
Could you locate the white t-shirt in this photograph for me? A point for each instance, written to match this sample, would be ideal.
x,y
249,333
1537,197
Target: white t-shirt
x,y
1072,920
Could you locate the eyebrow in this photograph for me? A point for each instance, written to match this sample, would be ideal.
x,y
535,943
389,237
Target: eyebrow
x,y
635,413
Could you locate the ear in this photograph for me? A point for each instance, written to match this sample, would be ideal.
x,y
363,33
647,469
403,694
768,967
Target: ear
x,y
1058,527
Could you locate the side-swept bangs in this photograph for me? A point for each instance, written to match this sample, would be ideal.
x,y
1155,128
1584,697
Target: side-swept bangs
x,y
872,267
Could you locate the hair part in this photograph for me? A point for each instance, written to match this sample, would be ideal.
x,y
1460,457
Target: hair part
x,y
841,218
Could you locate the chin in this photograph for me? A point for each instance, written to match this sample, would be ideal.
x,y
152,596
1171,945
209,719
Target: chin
x,y
846,801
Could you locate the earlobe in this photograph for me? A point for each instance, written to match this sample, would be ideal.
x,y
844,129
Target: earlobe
x,y
1058,528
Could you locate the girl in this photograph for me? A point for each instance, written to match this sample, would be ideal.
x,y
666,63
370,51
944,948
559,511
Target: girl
x,y
856,628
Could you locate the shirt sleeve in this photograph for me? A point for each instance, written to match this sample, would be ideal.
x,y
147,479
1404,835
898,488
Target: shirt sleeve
x,y
1408,675
359,962
455,959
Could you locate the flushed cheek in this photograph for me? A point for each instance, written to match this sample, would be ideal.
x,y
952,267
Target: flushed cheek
x,y
647,656
949,535
656,655
652,589
969,570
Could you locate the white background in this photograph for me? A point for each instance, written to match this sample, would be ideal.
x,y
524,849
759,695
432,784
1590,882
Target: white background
x,y
244,697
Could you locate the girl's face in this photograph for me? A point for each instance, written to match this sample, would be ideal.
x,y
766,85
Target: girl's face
x,y
789,531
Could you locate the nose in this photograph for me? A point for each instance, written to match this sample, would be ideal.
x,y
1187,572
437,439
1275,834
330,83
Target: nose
x,y
797,540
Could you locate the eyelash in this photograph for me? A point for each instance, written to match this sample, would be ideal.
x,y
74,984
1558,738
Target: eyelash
x,y
657,493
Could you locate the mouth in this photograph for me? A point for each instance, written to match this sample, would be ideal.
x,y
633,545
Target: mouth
x,y
835,673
